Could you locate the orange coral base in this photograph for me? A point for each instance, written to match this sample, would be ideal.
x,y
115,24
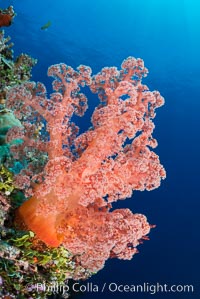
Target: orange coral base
x,y
43,226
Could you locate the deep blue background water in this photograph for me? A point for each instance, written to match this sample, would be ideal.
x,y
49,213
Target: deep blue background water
x,y
166,34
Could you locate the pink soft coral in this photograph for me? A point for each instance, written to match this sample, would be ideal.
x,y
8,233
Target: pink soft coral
x,y
85,174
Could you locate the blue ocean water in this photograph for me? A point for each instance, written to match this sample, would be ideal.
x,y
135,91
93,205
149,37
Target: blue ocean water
x,y
166,34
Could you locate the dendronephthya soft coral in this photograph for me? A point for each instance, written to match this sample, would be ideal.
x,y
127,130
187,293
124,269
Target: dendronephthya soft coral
x,y
71,199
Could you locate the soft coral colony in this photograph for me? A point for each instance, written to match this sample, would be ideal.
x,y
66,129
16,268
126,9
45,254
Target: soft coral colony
x,y
70,200
71,179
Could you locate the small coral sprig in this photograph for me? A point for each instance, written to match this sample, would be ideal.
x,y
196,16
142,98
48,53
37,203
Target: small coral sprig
x,y
6,180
